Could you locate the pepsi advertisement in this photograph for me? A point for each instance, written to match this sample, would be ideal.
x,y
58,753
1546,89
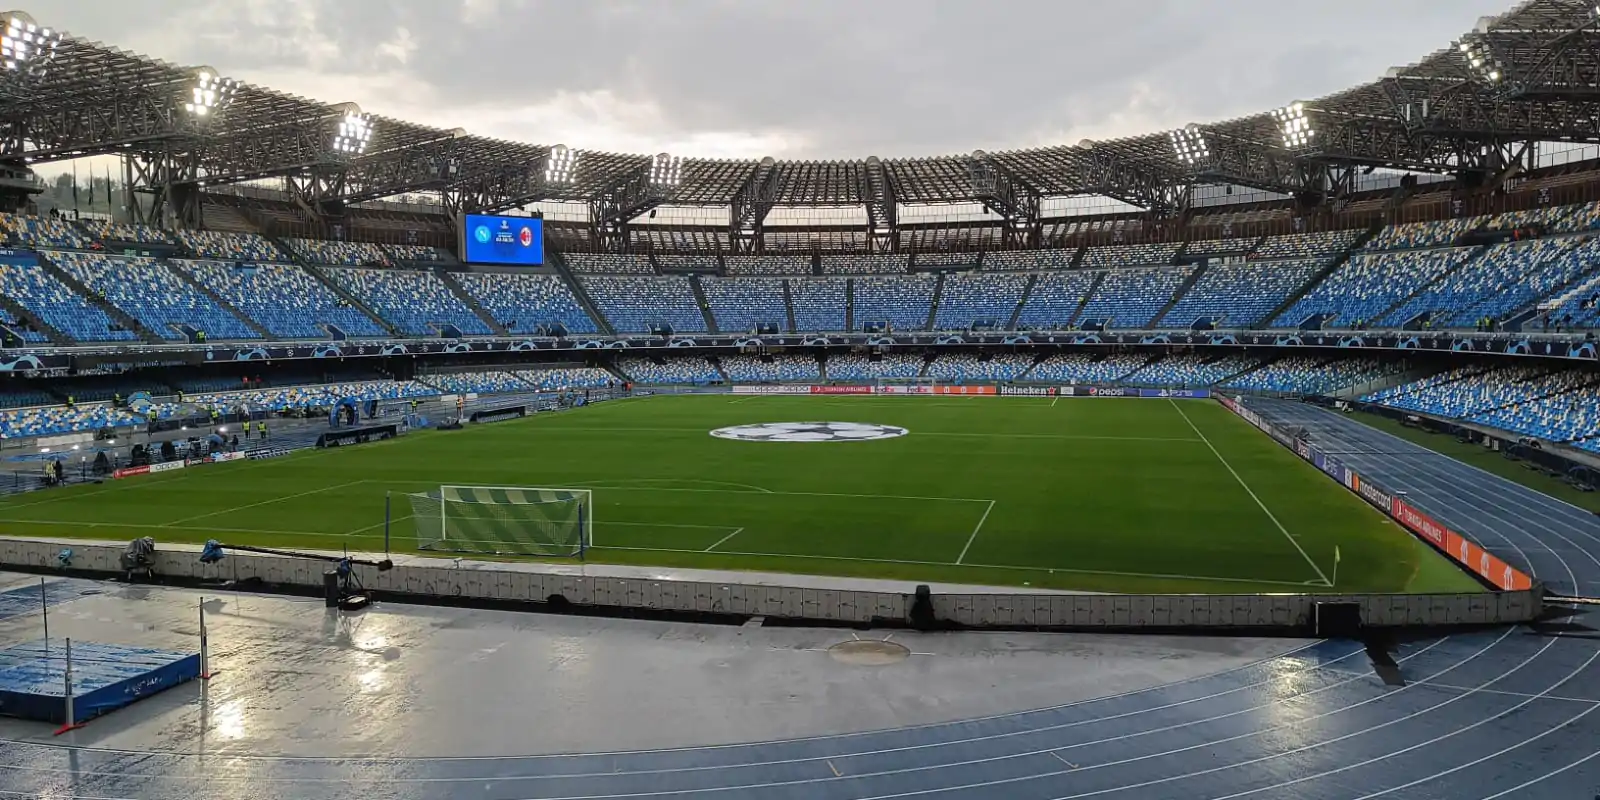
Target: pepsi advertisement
x,y
515,241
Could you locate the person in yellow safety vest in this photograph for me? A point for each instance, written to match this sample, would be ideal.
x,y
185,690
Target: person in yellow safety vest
x,y
261,427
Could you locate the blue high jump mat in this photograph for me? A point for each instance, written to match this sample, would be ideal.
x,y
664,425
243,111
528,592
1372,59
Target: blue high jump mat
x,y
105,677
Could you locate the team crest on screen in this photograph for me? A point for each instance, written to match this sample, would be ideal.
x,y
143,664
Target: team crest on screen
x,y
481,233
526,237
810,432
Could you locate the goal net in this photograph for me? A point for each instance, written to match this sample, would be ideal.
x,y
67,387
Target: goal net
x,y
504,520
917,385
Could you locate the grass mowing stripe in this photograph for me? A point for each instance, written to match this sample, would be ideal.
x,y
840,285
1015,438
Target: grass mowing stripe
x,y
1252,493
264,503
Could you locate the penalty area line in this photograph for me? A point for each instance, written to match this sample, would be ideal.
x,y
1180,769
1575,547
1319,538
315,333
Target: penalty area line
x,y
724,540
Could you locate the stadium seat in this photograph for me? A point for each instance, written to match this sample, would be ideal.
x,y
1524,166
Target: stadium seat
x,y
42,232
1305,246
283,298
768,265
1028,260
1190,370
786,367
1365,286
857,367
153,294
1505,278
819,303
609,264
639,304
970,368
477,382
1309,376
415,253
903,302
1152,254
1410,235
1238,295
1130,298
974,297
340,254
415,301
873,264
1054,300
124,232
232,246
54,420
560,379
740,304
1086,368
689,371
526,302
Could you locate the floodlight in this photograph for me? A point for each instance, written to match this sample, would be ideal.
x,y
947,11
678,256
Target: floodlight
x,y
1295,126
666,170
23,44
353,133
210,93
1189,143
560,165
1481,61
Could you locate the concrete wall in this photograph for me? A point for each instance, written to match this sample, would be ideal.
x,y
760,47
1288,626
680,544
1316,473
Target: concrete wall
x,y
506,582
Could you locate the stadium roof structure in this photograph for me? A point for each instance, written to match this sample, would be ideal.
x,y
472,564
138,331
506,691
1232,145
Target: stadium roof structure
x,y
1478,108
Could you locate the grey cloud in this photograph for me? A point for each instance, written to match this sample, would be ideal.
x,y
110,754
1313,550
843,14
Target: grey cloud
x,y
892,77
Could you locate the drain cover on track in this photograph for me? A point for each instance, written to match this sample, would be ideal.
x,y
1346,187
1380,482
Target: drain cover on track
x,y
869,653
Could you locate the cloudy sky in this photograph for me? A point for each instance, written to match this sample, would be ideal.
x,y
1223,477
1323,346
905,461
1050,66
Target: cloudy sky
x,y
796,79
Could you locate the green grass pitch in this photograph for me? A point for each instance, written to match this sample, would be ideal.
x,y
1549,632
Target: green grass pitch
x,y
1123,495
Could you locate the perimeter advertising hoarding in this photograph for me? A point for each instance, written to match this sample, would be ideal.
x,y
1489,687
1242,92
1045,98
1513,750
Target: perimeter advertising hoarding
x,y
504,241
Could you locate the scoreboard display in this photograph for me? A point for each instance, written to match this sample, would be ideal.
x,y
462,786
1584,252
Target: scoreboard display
x,y
491,239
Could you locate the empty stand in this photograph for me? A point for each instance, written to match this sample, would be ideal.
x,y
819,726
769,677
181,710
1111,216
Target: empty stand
x,y
772,369
1055,299
1130,298
25,282
151,293
903,302
819,303
639,304
526,302
1369,284
232,246
970,298
283,298
874,264
340,254
857,367
1238,295
609,263
767,265
1086,368
416,302
669,372
741,304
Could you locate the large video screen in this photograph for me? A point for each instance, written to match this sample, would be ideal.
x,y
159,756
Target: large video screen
x,y
487,239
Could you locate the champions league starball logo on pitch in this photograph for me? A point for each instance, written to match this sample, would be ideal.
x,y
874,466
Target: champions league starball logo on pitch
x,y
810,432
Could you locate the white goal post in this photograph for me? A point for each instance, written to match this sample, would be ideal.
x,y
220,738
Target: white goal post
x,y
501,520
917,381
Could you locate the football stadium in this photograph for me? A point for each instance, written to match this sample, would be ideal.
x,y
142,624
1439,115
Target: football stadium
x,y
342,455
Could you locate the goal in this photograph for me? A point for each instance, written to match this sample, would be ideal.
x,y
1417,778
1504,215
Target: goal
x,y
504,520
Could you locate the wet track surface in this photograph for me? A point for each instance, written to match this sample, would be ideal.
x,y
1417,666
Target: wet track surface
x,y
1508,713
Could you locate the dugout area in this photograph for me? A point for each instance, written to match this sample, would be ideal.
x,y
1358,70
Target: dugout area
x,y
1097,494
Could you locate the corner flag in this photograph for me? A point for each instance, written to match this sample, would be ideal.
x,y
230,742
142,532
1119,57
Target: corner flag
x,y
1336,554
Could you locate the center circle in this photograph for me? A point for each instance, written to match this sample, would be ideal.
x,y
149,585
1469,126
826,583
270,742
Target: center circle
x,y
810,432
869,653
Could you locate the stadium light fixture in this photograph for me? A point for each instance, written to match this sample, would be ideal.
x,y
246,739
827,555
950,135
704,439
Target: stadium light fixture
x,y
560,165
1295,126
23,44
1481,61
353,133
666,170
210,93
1189,143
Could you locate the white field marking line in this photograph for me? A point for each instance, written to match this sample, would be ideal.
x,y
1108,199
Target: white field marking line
x,y
1054,401
1062,760
828,737
719,542
264,503
1252,493
750,486
974,536
396,520
1013,568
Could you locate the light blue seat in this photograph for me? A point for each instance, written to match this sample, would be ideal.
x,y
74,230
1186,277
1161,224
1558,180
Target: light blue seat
x,y
639,304
526,302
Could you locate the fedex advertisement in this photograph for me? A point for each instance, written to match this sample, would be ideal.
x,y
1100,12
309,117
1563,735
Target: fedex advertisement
x,y
514,241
